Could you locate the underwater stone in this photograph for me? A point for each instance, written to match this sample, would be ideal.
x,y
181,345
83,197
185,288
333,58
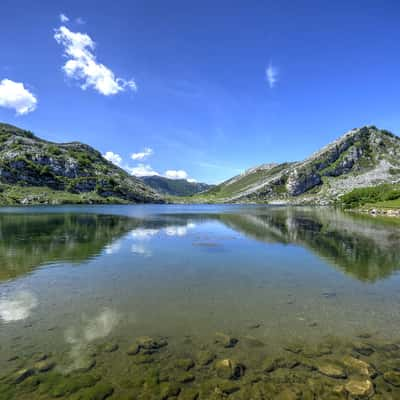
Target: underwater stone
x,y
22,374
40,357
295,348
143,359
229,369
228,387
99,392
185,363
133,349
358,366
111,347
205,357
185,378
225,340
64,386
271,364
169,390
148,343
189,394
331,370
85,365
364,349
392,377
360,388
44,366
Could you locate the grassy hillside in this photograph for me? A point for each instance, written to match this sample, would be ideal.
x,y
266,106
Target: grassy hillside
x,y
33,171
382,196
362,157
174,187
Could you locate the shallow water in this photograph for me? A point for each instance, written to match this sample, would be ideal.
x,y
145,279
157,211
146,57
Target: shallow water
x,y
76,279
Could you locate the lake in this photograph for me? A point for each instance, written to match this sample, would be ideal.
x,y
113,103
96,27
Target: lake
x,y
198,302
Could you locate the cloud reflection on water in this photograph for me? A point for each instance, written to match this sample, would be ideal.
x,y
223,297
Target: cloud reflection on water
x,y
18,306
91,329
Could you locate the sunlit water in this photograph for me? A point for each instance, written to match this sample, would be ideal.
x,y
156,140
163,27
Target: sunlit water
x,y
76,277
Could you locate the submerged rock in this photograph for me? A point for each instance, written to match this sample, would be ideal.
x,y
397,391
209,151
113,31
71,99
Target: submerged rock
x,y
84,365
110,347
358,366
146,345
392,377
101,391
133,349
185,363
331,370
364,349
271,364
22,374
225,340
295,348
360,388
229,369
169,390
205,357
44,366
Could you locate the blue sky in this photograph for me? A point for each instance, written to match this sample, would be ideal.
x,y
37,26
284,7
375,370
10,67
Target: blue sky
x,y
209,88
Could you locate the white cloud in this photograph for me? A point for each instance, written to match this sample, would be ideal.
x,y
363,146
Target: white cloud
x,y
80,21
271,74
147,152
142,170
176,174
63,18
17,307
113,157
83,66
14,95
191,180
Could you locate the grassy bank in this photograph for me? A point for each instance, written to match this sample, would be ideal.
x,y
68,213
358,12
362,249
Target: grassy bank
x,y
29,195
383,196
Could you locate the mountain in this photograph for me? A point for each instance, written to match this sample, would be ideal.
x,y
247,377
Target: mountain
x,y
174,187
33,170
362,157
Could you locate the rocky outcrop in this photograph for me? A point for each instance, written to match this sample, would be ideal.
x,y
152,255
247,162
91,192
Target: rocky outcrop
x,y
362,157
26,160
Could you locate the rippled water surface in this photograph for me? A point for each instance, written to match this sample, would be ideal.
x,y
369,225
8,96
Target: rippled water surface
x,y
190,288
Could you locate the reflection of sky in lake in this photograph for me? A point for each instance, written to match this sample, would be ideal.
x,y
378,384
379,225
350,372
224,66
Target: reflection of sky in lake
x,y
301,273
17,306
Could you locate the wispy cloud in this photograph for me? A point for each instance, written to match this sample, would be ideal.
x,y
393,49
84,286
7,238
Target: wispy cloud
x,y
147,152
83,66
14,95
63,18
271,74
113,157
80,21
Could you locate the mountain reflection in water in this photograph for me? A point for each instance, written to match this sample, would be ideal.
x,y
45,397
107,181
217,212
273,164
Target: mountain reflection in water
x,y
362,247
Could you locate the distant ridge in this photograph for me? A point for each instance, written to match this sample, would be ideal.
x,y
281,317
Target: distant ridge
x,y
362,157
174,187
